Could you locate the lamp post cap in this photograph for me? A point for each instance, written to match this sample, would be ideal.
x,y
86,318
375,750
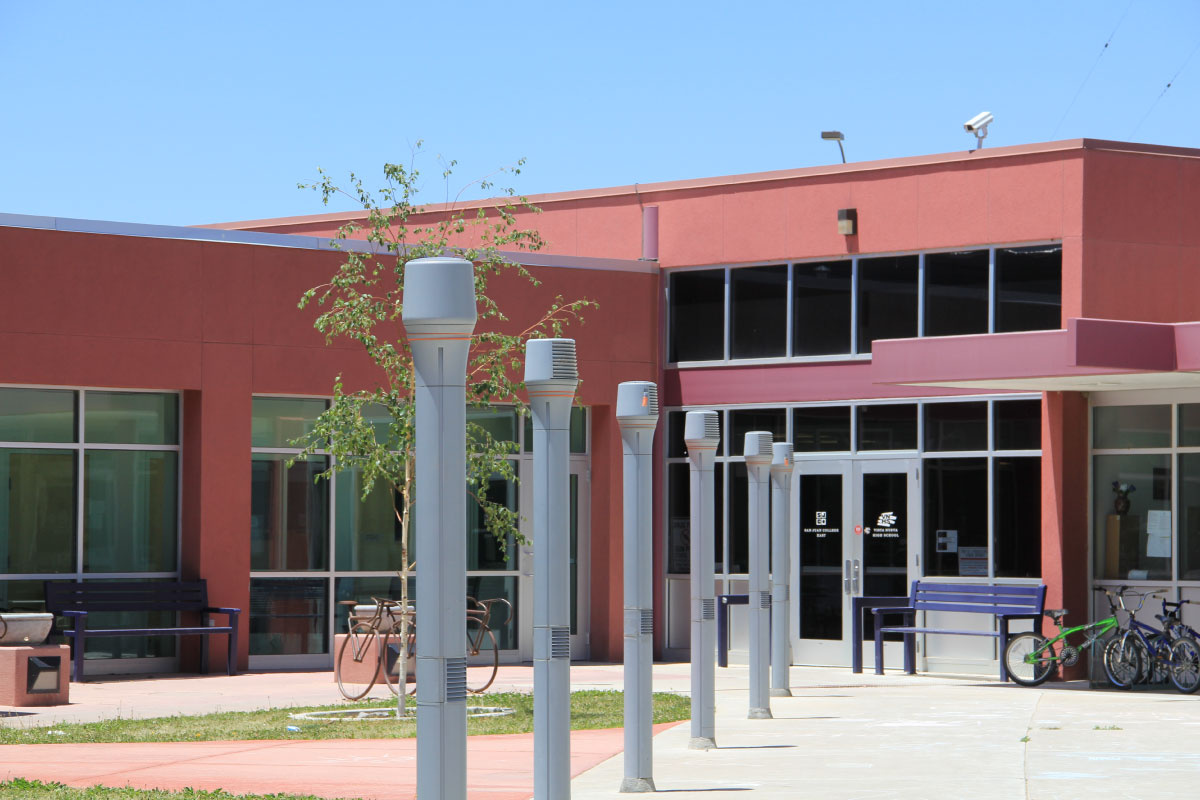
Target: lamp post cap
x,y
439,296
758,445
702,428
550,360
637,399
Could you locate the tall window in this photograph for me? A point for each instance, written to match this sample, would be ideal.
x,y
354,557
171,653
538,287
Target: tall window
x,y
89,490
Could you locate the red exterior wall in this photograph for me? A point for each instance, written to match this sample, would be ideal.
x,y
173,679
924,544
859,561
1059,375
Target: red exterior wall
x,y
218,322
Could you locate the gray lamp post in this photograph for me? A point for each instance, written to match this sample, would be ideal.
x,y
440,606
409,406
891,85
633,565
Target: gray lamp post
x,y
551,377
439,317
702,434
637,417
782,466
758,472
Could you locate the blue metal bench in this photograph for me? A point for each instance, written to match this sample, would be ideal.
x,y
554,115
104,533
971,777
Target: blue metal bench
x,y
1005,603
76,600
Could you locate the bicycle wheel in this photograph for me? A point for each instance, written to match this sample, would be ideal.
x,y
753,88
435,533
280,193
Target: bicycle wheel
x,y
1157,667
388,660
1123,661
489,638
354,650
1184,669
1028,660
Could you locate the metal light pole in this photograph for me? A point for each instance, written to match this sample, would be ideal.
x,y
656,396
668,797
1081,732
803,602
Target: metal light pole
x,y
637,416
439,317
782,466
551,377
702,434
758,471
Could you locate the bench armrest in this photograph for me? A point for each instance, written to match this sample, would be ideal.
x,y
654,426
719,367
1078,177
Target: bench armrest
x,y
73,613
230,611
877,611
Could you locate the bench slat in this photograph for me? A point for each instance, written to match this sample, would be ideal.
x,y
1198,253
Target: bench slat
x,y
995,634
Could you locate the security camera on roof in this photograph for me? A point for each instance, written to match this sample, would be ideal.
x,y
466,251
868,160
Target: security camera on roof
x,y
978,122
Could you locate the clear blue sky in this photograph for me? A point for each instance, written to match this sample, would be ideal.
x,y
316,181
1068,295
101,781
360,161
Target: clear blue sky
x,y
190,112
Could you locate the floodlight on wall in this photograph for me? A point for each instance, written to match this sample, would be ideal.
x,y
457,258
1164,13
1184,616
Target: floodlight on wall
x,y
847,221
835,136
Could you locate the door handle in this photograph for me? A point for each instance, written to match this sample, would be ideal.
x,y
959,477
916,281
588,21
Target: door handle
x,y
846,578
854,580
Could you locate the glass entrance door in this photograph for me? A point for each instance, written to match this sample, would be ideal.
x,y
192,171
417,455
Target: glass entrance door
x,y
858,531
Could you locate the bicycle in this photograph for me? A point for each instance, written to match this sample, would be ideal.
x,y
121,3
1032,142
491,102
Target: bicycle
x,y
1031,658
373,635
1142,653
369,635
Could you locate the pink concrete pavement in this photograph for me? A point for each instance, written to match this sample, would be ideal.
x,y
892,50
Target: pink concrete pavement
x,y
498,767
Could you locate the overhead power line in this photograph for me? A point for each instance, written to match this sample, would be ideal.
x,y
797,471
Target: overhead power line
x,y
1095,63
1164,91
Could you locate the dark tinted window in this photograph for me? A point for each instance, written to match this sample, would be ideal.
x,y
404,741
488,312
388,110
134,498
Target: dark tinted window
x,y
675,446
1028,288
891,427
821,308
757,419
1018,508
758,303
887,299
956,516
679,519
956,293
739,504
820,430
697,313
1018,424
956,426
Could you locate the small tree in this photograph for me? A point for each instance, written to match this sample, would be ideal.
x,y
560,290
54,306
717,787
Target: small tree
x,y
363,302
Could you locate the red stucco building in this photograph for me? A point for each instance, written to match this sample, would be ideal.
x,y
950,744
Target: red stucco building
x,y
1003,336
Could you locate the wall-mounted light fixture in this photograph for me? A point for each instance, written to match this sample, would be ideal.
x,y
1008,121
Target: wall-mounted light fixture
x,y
847,221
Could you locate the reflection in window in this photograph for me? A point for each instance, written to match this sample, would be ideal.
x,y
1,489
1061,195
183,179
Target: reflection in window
x,y
289,514
1028,288
956,516
887,299
368,530
1122,427
758,306
744,421
130,511
1131,497
956,293
821,308
1189,511
131,418
278,421
697,315
288,616
37,511
37,415
483,550
679,516
821,430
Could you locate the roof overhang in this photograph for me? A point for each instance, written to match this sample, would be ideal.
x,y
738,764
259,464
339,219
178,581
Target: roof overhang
x,y
1091,355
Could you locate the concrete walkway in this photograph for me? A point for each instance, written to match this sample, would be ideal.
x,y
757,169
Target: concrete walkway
x,y
840,736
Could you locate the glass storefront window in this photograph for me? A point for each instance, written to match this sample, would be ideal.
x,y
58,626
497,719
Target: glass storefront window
x,y
278,421
483,550
289,616
1018,424
821,430
956,517
821,307
739,532
130,511
1189,425
486,587
1028,288
578,431
743,421
37,511
1017,502
499,422
1125,427
887,299
679,519
955,426
289,514
696,315
1189,516
887,427
758,310
37,415
131,418
1131,510
956,293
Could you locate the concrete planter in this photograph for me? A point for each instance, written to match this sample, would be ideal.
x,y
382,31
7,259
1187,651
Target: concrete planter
x,y
25,629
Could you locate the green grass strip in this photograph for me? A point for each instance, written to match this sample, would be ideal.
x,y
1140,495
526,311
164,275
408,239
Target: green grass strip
x,y
590,709
20,789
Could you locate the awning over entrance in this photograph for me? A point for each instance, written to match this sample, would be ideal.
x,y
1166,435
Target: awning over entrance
x,y
1090,355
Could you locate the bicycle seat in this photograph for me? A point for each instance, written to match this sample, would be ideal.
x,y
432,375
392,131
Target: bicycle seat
x,y
1056,614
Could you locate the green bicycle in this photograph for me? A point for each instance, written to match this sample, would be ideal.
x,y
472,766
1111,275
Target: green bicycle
x,y
1032,658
